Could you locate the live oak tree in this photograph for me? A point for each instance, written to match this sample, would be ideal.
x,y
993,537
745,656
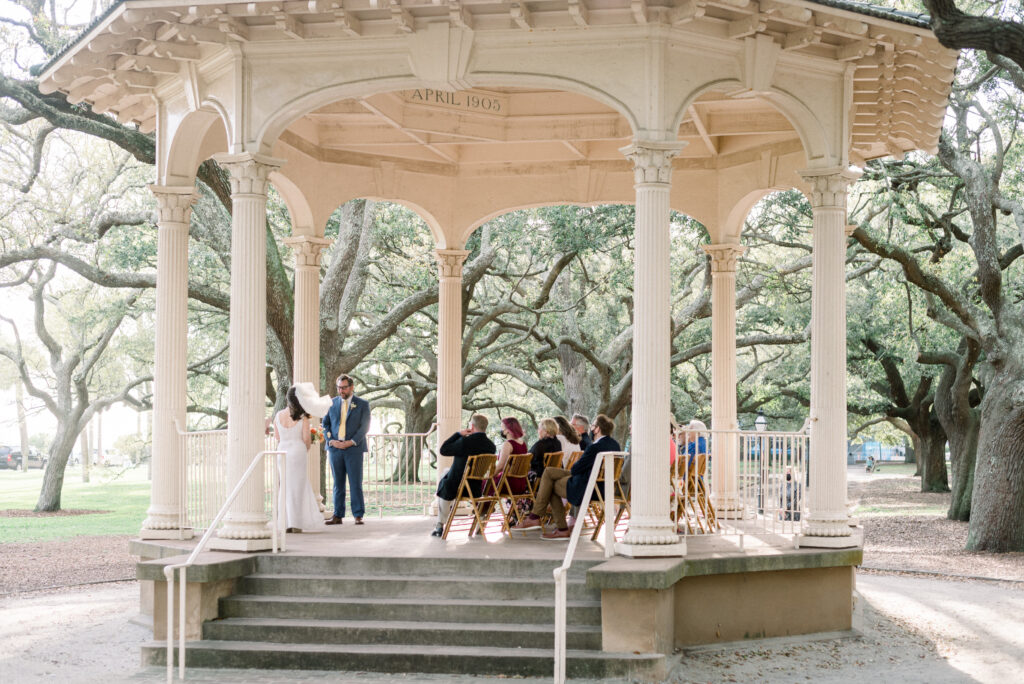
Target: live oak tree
x,y
967,205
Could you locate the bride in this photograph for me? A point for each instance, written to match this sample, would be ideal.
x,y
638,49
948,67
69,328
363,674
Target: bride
x,y
291,428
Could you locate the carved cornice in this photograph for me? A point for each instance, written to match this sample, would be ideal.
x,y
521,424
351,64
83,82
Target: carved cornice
x,y
450,261
829,186
307,249
174,203
724,256
652,161
249,172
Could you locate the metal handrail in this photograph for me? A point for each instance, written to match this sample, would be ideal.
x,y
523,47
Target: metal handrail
x,y
561,572
279,483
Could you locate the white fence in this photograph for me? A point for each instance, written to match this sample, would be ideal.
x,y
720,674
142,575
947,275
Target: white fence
x,y
205,475
742,483
723,483
399,474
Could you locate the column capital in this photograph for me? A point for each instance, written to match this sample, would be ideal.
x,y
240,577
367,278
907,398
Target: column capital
x,y
174,202
307,249
450,261
724,256
829,185
652,161
249,172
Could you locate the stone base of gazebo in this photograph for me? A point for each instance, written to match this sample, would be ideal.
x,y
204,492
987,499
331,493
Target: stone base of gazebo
x,y
389,597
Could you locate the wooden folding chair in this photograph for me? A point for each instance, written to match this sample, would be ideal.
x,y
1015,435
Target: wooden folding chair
x,y
553,459
702,498
573,457
693,505
597,507
479,469
517,467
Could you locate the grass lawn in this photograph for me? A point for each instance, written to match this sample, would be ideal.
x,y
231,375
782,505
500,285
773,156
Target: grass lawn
x,y
123,496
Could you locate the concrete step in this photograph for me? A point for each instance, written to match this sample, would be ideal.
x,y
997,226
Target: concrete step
x,y
479,660
411,586
451,567
524,611
416,633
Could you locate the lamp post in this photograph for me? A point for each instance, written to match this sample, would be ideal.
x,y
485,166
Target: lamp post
x,y
760,423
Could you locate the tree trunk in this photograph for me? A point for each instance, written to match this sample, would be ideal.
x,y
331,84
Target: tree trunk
x,y
100,456
997,500
960,422
87,454
419,416
22,423
53,477
933,471
963,453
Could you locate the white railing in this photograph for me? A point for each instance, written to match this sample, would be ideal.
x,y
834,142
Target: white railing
x,y
753,483
561,573
204,475
399,473
276,532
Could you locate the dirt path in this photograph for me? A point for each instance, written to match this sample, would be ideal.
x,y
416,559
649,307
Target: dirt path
x,y
910,629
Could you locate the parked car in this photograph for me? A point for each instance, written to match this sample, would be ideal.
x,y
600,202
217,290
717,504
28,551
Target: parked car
x,y
35,459
7,461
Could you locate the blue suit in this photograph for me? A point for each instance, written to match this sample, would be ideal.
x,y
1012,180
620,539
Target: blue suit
x,y
348,461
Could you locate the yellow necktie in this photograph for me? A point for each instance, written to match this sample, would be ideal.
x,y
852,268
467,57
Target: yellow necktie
x,y
344,417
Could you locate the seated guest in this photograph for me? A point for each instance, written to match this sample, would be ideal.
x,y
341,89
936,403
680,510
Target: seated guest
x,y
461,445
512,433
582,425
568,438
559,482
546,443
691,440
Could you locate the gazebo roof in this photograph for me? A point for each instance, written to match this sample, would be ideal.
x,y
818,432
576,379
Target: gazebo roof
x,y
902,74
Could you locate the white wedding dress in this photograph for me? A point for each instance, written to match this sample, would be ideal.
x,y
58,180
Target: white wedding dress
x,y
296,500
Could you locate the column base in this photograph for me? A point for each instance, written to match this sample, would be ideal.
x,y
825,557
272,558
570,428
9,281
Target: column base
x,y
848,542
729,508
248,545
630,550
182,533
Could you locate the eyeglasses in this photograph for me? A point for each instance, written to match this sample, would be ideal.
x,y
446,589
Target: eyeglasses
x,y
344,386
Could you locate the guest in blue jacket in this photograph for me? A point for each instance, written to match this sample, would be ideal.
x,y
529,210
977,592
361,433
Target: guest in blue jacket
x,y
557,483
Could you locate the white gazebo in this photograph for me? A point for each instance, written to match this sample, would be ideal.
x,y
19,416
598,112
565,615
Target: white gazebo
x,y
465,109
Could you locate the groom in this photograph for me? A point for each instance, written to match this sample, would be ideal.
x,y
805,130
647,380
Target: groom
x,y
345,427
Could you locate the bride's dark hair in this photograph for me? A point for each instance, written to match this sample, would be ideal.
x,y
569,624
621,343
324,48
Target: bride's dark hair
x,y
295,409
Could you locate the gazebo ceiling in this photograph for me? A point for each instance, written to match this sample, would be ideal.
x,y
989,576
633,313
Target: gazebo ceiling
x,y
901,80
499,126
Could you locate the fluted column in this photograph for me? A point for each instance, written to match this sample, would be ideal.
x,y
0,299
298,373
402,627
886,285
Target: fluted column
x,y
245,526
827,523
306,325
449,345
163,519
723,376
651,531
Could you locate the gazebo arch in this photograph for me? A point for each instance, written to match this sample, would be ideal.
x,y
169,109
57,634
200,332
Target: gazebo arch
x,y
192,140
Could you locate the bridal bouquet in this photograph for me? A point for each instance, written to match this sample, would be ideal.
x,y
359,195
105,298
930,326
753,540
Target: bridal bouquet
x,y
316,433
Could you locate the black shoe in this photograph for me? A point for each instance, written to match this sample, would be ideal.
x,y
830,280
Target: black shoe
x,y
438,530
